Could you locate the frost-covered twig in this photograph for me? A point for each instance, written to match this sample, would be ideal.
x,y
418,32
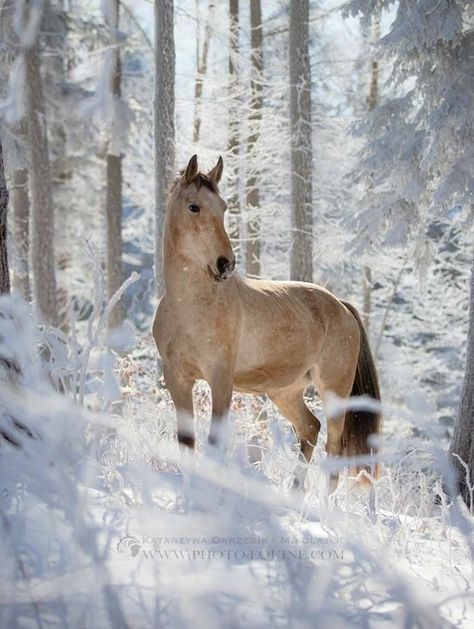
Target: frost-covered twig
x,y
467,476
98,319
21,566
389,305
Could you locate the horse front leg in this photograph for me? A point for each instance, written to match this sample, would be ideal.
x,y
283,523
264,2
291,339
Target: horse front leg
x,y
181,391
221,390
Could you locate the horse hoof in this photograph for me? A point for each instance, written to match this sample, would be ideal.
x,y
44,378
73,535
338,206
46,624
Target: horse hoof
x,y
186,440
297,487
333,481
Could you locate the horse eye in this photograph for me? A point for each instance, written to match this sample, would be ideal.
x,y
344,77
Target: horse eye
x,y
194,208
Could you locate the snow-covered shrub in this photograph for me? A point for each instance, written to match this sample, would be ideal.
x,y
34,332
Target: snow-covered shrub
x,y
104,524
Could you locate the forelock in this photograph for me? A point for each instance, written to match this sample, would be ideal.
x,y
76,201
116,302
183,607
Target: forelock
x,y
199,180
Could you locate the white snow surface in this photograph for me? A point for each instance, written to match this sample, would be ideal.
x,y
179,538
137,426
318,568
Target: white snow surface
x,y
106,524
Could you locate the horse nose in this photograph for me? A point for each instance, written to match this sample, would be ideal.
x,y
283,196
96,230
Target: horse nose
x,y
224,265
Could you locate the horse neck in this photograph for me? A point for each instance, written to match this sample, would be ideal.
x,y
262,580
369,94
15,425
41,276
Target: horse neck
x,y
182,277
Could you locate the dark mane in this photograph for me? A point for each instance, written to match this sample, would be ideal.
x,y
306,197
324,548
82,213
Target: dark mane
x,y
199,180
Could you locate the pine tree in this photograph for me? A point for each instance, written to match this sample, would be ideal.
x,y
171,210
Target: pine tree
x,y
4,273
301,255
42,233
21,228
54,31
19,203
372,102
234,128
114,185
164,121
201,70
418,156
255,119
462,445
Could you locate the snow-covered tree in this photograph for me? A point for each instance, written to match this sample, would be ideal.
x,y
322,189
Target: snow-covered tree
x,y
372,102
462,445
12,76
202,54
21,218
4,272
42,232
114,177
164,120
418,157
255,121
301,256
234,140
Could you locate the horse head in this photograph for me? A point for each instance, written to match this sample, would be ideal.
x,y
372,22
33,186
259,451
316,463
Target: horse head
x,y
195,221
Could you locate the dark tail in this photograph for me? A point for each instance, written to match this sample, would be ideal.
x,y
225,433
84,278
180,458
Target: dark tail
x,y
359,425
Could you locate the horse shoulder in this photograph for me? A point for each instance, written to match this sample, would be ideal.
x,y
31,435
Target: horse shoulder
x,y
161,323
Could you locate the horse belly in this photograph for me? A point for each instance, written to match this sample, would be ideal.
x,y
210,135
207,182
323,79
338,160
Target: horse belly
x,y
265,366
268,378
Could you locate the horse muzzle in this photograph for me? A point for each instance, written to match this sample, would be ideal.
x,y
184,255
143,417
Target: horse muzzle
x,y
224,269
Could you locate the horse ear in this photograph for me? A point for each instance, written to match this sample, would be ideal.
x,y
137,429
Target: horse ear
x,y
192,169
216,173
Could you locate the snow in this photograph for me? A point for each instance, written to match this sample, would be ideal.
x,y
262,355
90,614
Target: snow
x,y
105,523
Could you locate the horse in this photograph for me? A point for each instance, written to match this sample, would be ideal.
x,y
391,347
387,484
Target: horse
x,y
253,336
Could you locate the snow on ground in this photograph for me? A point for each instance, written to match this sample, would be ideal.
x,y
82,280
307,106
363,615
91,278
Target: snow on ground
x,y
104,525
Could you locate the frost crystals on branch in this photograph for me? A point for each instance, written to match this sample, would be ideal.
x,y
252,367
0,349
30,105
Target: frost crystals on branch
x,y
98,319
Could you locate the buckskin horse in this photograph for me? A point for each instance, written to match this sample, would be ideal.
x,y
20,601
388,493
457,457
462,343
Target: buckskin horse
x,y
253,336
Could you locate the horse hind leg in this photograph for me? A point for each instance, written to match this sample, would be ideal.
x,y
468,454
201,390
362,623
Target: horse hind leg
x,y
290,402
341,386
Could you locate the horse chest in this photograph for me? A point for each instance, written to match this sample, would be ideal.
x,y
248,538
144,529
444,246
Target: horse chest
x,y
192,339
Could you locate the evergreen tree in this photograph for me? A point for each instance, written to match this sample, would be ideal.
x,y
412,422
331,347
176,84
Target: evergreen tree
x,y
419,153
255,121
42,232
164,121
115,276
301,256
4,273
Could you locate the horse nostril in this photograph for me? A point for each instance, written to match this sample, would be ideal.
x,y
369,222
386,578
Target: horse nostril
x,y
223,264
232,264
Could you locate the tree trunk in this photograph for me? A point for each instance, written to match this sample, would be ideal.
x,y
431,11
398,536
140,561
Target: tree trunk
x,y
253,192
43,263
19,202
462,443
53,50
54,30
372,104
234,139
367,293
301,254
21,219
201,63
164,122
115,276
4,273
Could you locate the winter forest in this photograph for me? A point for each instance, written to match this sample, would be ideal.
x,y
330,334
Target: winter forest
x,y
346,129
